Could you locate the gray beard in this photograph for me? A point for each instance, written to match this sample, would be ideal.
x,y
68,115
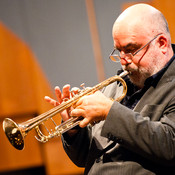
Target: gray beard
x,y
138,77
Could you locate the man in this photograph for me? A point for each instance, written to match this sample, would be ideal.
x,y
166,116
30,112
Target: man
x,y
136,136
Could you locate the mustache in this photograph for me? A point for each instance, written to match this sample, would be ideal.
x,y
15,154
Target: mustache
x,y
130,70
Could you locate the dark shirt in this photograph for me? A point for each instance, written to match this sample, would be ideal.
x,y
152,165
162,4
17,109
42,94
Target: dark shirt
x,y
134,94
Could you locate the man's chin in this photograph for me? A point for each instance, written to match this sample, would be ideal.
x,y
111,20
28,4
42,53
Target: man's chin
x,y
136,79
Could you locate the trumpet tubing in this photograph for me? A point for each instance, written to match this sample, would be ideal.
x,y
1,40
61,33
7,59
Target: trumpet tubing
x,y
17,132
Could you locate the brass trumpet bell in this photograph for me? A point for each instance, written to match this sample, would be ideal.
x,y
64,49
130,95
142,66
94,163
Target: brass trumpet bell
x,y
14,134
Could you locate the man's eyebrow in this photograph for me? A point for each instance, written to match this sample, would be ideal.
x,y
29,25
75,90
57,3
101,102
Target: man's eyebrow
x,y
131,45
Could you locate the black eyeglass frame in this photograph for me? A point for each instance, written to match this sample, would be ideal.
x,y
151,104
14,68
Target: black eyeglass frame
x,y
111,56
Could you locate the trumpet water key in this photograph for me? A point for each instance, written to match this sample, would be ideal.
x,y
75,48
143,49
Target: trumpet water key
x,y
17,132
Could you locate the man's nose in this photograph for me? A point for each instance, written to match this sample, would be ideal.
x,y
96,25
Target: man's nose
x,y
125,59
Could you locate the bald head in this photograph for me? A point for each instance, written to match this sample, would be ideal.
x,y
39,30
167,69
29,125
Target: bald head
x,y
139,26
143,17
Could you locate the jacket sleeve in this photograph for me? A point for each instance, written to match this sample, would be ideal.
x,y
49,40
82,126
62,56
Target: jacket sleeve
x,y
155,140
77,147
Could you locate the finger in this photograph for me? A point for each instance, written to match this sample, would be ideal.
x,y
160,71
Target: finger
x,y
47,98
77,112
58,94
85,99
66,91
51,101
84,122
80,101
75,91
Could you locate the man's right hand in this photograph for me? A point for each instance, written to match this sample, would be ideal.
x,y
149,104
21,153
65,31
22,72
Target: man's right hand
x,y
63,96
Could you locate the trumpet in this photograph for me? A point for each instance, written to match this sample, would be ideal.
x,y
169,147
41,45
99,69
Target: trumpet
x,y
17,132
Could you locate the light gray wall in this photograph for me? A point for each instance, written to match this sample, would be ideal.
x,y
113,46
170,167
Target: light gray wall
x,y
58,33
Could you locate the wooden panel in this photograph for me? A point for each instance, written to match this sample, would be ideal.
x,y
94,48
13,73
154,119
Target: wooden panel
x,y
18,99
22,81
16,89
22,90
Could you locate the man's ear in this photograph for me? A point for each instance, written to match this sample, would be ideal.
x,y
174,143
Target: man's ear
x,y
163,44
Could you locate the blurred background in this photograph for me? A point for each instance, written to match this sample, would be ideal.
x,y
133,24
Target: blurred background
x,y
47,43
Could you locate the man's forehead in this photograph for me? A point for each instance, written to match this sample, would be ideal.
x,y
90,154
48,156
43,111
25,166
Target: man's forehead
x,y
127,40
131,36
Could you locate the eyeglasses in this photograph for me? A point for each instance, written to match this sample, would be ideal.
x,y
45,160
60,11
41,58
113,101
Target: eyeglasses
x,y
116,56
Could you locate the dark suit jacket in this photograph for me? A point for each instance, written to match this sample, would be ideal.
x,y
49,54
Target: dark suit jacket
x,y
131,142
